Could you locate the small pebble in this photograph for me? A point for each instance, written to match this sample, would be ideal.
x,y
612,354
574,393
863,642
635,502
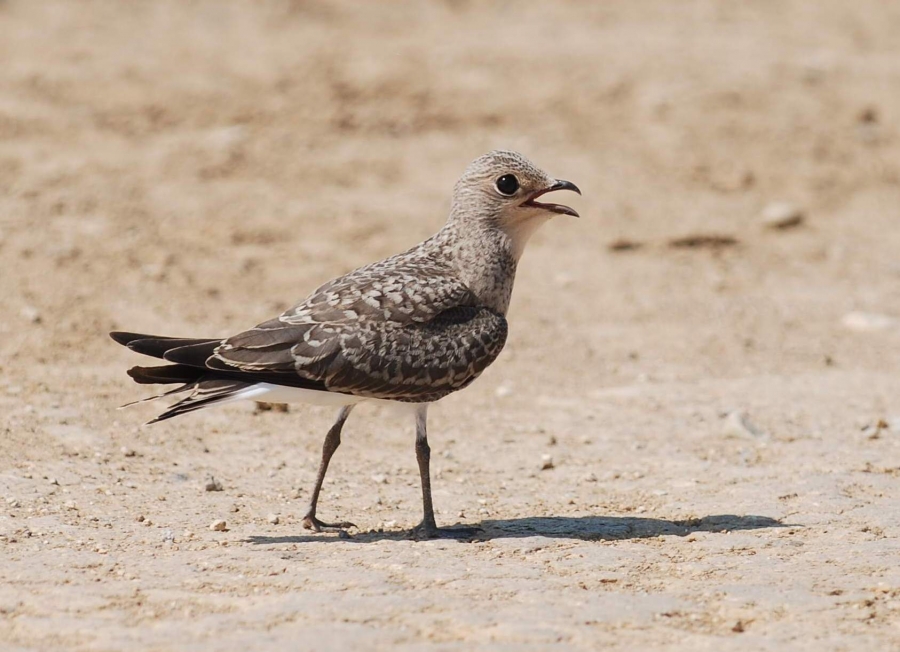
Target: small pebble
x,y
868,322
738,424
272,407
624,245
379,479
154,271
273,519
868,129
212,484
563,280
546,462
873,431
502,391
781,215
128,452
31,314
868,115
218,526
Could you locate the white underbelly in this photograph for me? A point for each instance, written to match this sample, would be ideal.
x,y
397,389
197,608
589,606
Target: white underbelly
x,y
270,393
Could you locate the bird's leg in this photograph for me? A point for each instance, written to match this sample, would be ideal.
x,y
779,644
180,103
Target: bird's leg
x,y
332,441
428,528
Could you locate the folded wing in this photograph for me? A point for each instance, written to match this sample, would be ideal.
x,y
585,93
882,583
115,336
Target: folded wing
x,y
412,337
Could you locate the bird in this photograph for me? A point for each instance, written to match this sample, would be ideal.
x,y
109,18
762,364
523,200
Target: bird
x,y
409,329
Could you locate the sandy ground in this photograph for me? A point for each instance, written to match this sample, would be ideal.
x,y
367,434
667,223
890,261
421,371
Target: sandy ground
x,y
722,420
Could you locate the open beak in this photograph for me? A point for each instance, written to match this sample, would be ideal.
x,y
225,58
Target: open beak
x,y
559,184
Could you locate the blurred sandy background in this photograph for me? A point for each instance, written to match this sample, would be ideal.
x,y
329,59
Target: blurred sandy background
x,y
683,447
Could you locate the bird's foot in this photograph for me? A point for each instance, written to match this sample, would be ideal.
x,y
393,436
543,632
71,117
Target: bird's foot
x,y
310,522
431,531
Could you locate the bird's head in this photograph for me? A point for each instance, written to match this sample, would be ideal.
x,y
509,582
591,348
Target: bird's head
x,y
501,189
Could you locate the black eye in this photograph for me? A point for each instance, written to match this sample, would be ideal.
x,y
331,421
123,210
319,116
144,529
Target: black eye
x,y
508,184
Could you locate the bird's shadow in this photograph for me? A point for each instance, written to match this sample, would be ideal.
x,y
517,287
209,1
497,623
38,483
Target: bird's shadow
x,y
584,528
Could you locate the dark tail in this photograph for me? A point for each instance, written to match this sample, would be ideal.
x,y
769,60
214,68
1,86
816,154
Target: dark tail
x,y
189,355
206,392
189,368
207,386
186,350
166,374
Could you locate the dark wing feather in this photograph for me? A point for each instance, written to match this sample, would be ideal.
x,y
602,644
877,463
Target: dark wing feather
x,y
125,338
194,354
419,362
412,332
402,329
264,348
158,347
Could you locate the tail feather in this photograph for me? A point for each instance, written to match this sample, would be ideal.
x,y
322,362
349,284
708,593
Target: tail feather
x,y
207,386
153,398
166,374
205,394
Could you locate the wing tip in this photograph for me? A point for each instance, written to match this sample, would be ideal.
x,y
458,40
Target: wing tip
x,y
125,338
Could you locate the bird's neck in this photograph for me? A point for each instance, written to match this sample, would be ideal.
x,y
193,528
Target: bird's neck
x,y
484,258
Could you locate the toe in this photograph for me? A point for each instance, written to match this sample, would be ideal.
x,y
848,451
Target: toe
x,y
312,523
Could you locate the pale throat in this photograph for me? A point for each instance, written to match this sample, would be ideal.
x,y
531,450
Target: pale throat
x,y
520,231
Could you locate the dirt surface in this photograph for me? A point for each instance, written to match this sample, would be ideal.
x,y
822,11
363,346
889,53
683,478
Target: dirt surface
x,y
716,401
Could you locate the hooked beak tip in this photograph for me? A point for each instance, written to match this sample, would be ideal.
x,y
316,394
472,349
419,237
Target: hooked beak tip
x,y
562,184
559,184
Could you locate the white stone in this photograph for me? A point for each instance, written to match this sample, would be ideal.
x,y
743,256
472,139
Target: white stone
x,y
868,322
738,424
781,215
